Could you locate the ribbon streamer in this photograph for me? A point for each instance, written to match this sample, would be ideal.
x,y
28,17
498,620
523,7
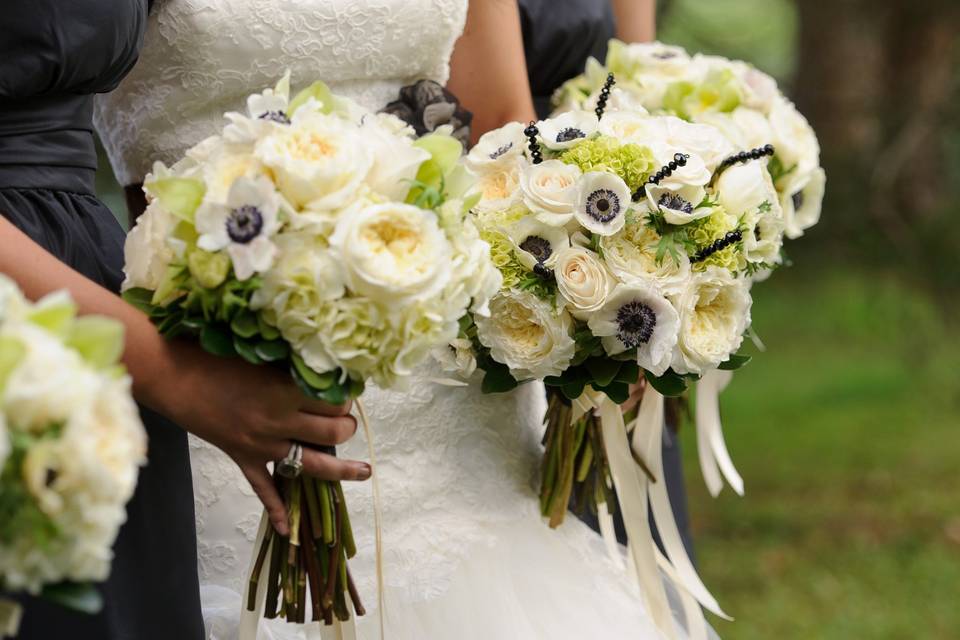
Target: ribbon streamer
x,y
377,522
631,486
649,426
711,446
10,614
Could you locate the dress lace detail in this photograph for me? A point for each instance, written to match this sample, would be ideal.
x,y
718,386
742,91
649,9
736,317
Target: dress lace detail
x,y
202,58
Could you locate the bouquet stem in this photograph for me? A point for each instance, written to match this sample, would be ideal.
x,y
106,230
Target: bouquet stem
x,y
313,557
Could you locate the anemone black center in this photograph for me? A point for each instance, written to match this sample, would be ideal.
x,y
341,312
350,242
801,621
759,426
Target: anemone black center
x,y
675,202
501,150
275,116
664,55
635,324
797,199
244,224
538,247
570,133
603,205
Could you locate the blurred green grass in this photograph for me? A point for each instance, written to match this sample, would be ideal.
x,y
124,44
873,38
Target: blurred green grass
x,y
847,433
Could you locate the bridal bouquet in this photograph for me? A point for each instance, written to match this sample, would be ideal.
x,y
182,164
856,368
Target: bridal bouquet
x,y
71,444
325,240
741,101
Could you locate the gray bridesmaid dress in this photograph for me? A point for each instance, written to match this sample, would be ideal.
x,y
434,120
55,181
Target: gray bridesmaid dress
x,y
54,56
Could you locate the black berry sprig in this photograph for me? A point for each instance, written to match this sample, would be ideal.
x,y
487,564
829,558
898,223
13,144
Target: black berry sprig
x,y
543,272
718,245
679,160
744,156
532,132
604,95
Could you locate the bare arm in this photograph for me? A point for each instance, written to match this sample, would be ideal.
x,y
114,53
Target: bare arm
x,y
488,71
636,20
252,413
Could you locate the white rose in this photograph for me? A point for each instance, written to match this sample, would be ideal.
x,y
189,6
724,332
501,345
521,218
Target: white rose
x,y
567,129
627,126
793,138
496,148
550,190
499,187
631,254
224,166
537,243
582,279
393,253
319,161
147,252
395,159
527,334
802,200
714,313
603,200
701,140
457,357
747,191
637,316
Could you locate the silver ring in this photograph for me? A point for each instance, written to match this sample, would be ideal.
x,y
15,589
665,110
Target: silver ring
x,y
292,465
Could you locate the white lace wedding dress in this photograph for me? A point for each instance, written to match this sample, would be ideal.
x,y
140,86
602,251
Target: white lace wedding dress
x,y
466,554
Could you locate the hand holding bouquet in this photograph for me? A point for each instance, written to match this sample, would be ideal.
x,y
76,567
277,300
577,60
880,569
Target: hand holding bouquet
x,y
71,444
327,241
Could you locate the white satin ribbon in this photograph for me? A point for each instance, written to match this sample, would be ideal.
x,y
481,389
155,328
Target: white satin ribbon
x,y
10,614
711,446
649,425
631,486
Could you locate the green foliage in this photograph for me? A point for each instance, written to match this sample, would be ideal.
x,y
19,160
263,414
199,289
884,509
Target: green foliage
x,y
20,516
735,362
497,377
77,596
670,384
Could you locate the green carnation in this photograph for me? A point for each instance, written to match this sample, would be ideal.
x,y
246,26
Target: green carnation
x,y
632,162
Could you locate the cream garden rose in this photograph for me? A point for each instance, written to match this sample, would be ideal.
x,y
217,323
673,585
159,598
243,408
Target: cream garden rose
x,y
714,313
148,248
550,190
392,252
527,334
582,280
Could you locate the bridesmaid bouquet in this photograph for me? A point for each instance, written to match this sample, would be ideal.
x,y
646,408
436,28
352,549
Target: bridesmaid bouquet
x,y
71,444
627,245
748,108
744,103
330,242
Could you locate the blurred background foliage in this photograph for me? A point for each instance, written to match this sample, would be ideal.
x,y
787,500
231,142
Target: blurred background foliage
x,y
847,431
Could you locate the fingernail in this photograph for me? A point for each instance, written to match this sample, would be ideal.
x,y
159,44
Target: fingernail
x,y
364,471
282,528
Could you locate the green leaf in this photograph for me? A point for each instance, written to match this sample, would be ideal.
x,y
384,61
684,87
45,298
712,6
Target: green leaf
x,y
267,331
11,353
54,312
356,388
320,92
619,392
84,598
317,381
245,324
246,350
573,389
669,384
734,362
272,350
217,341
629,372
603,371
98,340
179,196
497,378
139,298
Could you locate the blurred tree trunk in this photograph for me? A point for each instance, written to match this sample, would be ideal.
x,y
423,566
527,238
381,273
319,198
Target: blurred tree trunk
x,y
876,80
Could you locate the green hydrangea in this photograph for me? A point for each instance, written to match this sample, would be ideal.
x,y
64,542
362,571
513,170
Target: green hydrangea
x,y
718,92
632,162
706,231
492,225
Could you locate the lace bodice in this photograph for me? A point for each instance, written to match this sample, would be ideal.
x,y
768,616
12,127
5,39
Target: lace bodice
x,y
202,58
